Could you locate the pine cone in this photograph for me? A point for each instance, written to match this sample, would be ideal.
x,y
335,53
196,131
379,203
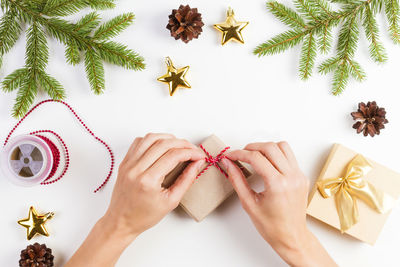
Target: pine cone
x,y
36,255
185,23
370,119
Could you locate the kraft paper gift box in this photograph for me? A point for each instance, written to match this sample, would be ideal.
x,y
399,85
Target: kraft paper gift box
x,y
210,189
370,221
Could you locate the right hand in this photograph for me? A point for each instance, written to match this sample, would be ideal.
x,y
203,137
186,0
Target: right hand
x,y
279,212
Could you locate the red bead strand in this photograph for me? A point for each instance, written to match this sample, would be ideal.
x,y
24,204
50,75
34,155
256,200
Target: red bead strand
x,y
47,181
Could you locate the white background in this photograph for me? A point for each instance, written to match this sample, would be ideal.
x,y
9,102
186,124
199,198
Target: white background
x,y
236,95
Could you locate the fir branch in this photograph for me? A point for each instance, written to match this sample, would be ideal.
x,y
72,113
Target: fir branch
x,y
113,27
83,37
120,55
14,80
101,4
307,9
94,71
37,51
87,23
356,71
376,49
280,43
328,65
323,8
63,7
348,37
325,40
25,97
286,15
340,78
10,30
307,58
319,20
393,15
72,53
51,86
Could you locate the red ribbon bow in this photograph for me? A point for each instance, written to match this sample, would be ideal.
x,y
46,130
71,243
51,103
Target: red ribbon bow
x,y
214,161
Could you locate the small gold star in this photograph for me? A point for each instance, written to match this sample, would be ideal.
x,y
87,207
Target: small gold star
x,y
174,77
231,29
34,224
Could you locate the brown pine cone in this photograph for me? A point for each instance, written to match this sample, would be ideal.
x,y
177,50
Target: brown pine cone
x,y
185,23
370,119
36,255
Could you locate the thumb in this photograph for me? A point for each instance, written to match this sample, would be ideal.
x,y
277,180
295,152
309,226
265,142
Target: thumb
x,y
238,180
184,181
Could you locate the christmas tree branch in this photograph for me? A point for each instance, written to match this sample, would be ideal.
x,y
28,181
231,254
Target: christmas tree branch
x,y
315,19
84,37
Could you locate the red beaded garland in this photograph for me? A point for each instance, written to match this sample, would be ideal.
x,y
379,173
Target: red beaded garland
x,y
55,151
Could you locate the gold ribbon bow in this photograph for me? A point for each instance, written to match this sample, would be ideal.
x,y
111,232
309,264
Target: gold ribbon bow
x,y
353,185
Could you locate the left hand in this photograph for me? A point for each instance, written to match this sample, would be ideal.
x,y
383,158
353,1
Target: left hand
x,y
139,201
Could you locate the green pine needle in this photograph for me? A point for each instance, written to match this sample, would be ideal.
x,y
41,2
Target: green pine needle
x,y
63,7
356,71
72,53
376,49
114,27
307,58
340,78
280,43
10,31
85,37
88,23
120,55
25,97
14,80
392,10
328,65
101,4
312,26
94,71
51,86
37,51
286,15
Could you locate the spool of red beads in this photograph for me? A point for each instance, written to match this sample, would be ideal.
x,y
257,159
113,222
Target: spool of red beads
x,y
41,157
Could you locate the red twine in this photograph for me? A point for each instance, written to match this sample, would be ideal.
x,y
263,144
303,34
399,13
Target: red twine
x,y
214,161
55,151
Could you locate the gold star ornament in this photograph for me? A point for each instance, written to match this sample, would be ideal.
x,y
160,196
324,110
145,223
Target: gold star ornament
x,y
231,29
174,77
34,224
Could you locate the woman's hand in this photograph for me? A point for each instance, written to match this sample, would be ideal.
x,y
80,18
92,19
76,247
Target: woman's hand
x,y
139,201
279,212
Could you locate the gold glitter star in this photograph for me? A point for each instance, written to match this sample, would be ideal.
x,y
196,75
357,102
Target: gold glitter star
x,y
174,77
34,224
231,29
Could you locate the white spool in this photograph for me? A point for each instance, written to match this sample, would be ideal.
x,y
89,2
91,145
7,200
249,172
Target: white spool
x,y
26,160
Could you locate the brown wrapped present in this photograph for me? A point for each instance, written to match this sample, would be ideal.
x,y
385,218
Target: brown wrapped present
x,y
354,194
211,188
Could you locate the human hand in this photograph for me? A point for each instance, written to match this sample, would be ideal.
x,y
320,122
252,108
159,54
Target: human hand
x,y
279,212
139,201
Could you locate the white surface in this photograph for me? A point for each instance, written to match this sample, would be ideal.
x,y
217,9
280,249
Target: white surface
x,y
257,99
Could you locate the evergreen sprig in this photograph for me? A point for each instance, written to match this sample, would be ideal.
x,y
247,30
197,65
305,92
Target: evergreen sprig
x,y
311,25
87,38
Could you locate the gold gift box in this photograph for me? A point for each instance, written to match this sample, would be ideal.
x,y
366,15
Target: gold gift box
x,y
370,222
210,189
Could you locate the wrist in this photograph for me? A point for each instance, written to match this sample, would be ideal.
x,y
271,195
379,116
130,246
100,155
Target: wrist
x,y
113,229
296,249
